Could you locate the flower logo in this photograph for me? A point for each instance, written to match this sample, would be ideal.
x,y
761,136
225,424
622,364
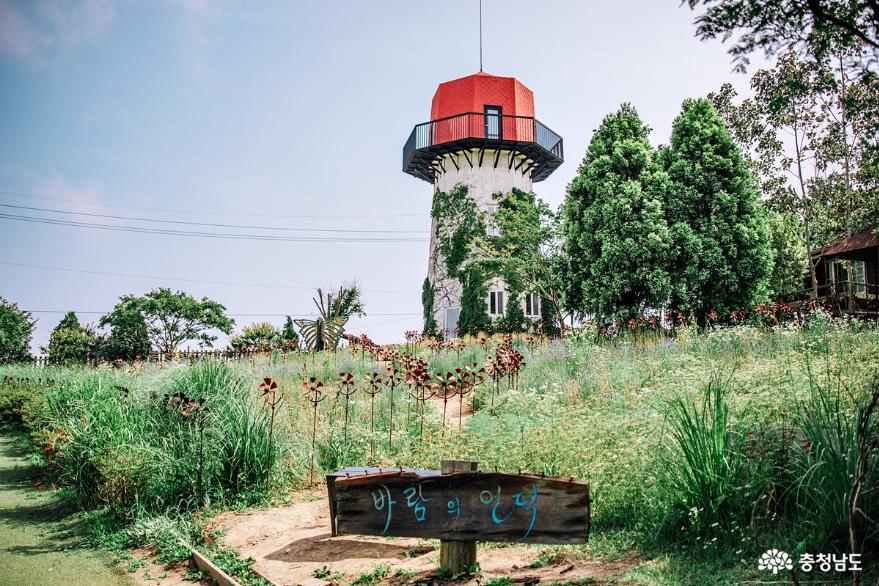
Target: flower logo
x,y
775,560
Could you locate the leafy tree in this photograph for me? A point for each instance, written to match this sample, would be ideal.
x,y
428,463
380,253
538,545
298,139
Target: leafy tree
x,y
616,236
815,27
16,330
70,343
172,318
810,136
256,337
513,321
129,338
474,314
789,262
289,335
549,324
720,253
73,346
428,294
69,321
348,301
525,248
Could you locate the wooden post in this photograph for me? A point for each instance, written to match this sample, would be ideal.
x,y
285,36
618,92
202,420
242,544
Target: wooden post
x,y
456,557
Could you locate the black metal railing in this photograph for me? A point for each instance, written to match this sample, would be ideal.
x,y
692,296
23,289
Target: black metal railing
x,y
487,127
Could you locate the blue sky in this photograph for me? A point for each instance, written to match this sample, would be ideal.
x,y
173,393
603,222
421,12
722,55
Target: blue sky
x,y
287,114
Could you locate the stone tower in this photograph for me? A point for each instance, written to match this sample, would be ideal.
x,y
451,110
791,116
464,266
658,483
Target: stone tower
x,y
482,134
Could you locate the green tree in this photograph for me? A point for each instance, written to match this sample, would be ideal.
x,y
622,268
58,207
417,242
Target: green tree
x,y
258,337
474,314
289,335
616,236
720,253
172,318
428,295
525,248
513,321
549,324
69,321
128,338
789,262
70,343
810,136
73,346
16,330
815,27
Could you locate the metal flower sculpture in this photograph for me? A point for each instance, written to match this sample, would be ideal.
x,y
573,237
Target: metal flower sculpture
x,y
393,378
346,389
445,388
314,394
271,397
373,387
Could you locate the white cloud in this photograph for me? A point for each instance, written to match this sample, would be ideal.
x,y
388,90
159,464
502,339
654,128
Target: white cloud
x,y
52,24
82,198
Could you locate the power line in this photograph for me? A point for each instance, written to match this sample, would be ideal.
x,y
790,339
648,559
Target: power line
x,y
229,314
204,212
210,224
201,281
214,235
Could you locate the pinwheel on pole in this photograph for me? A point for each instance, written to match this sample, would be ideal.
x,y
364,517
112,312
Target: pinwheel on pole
x,y
271,397
314,394
393,378
346,389
373,387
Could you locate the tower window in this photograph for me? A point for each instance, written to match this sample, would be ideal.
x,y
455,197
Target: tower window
x,y
496,303
532,305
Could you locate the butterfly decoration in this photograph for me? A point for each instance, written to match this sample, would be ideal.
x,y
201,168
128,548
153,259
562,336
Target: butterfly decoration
x,y
321,334
324,332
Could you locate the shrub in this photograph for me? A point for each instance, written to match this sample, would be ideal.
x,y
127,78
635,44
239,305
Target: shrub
x,y
16,329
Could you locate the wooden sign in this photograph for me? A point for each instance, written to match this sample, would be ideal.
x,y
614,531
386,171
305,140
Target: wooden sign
x,y
464,506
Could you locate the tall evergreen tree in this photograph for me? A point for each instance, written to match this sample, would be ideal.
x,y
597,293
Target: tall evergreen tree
x,y
616,237
721,258
69,322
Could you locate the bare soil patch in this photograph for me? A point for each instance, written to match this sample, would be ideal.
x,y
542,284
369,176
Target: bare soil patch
x,y
292,544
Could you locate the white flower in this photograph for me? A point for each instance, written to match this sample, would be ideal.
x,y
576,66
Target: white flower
x,y
775,560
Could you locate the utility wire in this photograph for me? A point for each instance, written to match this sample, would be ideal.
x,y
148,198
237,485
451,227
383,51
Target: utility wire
x,y
205,212
210,224
206,282
215,235
229,314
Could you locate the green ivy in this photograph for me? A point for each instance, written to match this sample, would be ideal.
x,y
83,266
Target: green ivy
x,y
428,292
474,315
458,223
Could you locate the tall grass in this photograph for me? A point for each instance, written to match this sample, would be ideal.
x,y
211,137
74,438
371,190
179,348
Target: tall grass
x,y
706,467
762,456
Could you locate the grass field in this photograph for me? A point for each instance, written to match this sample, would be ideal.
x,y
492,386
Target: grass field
x,y
703,450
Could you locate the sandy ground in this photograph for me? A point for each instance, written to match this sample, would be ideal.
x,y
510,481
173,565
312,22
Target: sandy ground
x,y
290,543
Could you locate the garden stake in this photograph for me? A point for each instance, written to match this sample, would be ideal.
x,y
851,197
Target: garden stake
x,y
392,379
373,388
346,389
314,396
271,398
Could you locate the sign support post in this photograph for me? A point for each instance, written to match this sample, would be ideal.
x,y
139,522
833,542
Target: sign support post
x,y
457,557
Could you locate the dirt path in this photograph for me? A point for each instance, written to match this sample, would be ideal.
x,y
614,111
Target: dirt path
x,y
42,540
292,546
